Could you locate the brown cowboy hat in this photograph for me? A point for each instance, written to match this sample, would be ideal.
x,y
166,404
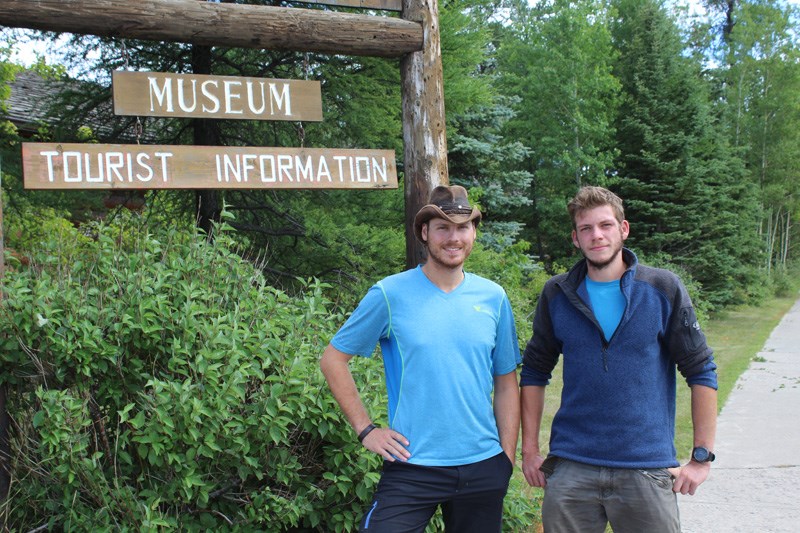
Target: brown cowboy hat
x,y
449,203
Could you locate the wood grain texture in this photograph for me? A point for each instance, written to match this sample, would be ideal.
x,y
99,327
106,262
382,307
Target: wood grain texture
x,y
161,94
135,167
424,134
213,24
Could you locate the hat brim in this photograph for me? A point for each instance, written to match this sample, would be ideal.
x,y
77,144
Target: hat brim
x,y
430,211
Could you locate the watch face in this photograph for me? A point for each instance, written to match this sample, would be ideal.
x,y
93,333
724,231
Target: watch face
x,y
700,455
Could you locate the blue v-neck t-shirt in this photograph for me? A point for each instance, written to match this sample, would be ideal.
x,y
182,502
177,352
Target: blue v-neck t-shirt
x,y
441,352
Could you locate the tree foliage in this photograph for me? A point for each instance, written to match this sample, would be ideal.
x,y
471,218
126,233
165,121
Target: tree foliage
x,y
680,178
762,112
557,57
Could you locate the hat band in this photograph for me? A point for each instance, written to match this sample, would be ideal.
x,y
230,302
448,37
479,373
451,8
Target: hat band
x,y
455,209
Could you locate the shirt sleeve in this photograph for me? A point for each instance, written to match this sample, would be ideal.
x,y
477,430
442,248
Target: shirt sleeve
x,y
543,350
506,355
687,343
366,326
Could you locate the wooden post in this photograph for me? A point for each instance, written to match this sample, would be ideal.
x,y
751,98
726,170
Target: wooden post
x,y
205,133
425,154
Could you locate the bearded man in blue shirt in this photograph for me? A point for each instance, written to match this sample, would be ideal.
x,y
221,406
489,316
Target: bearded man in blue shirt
x,y
450,354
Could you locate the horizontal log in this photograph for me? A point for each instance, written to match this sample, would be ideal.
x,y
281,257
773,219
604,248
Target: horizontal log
x,y
213,24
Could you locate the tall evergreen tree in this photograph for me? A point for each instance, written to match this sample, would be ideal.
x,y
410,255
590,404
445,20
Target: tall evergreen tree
x,y
557,58
482,158
658,129
762,79
679,177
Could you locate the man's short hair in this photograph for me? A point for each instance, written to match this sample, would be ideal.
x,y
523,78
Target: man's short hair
x,y
589,197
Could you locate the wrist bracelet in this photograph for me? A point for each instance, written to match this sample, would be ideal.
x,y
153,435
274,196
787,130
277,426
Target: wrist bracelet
x,y
365,432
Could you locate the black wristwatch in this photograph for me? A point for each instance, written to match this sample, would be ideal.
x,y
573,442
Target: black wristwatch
x,y
702,455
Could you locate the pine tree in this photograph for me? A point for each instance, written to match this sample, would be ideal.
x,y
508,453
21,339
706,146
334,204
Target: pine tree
x,y
557,57
681,181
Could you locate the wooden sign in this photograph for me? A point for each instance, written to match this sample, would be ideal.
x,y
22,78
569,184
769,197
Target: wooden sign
x,y
159,94
133,166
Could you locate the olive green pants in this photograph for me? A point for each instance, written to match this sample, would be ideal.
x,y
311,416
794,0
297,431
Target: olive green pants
x,y
581,498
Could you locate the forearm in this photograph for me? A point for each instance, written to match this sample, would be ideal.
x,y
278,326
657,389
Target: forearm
x,y
334,366
506,412
386,442
532,408
704,415
704,421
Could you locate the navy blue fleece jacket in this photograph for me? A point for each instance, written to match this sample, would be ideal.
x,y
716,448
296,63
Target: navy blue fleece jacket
x,y
618,401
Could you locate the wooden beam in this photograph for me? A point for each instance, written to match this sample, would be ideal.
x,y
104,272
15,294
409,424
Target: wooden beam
x,y
424,138
213,24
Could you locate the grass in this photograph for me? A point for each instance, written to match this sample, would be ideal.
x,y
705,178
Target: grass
x,y
736,335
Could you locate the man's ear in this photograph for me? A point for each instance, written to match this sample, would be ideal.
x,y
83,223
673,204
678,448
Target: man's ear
x,y
423,232
575,239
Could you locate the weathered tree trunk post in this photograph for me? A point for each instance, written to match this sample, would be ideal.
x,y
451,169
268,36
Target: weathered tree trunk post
x,y
425,153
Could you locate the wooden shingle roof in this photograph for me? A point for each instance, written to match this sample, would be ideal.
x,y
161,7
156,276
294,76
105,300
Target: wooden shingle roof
x,y
32,95
27,105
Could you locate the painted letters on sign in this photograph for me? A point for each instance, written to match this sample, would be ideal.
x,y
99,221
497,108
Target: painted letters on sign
x,y
159,94
133,166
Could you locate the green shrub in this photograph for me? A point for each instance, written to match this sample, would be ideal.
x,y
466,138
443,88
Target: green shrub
x,y
156,381
785,281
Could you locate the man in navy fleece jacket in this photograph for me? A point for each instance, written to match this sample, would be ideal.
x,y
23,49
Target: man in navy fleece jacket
x,y
623,330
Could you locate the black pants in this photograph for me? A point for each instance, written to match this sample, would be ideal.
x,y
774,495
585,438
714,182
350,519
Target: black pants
x,y
471,497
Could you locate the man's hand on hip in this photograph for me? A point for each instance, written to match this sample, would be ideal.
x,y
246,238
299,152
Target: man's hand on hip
x,y
387,443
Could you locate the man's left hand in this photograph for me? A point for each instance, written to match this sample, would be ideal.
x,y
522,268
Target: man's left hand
x,y
689,476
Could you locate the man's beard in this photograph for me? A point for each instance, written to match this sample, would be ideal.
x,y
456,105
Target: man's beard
x,y
439,257
600,265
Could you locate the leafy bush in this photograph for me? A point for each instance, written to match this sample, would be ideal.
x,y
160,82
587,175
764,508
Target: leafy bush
x,y
156,381
785,281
